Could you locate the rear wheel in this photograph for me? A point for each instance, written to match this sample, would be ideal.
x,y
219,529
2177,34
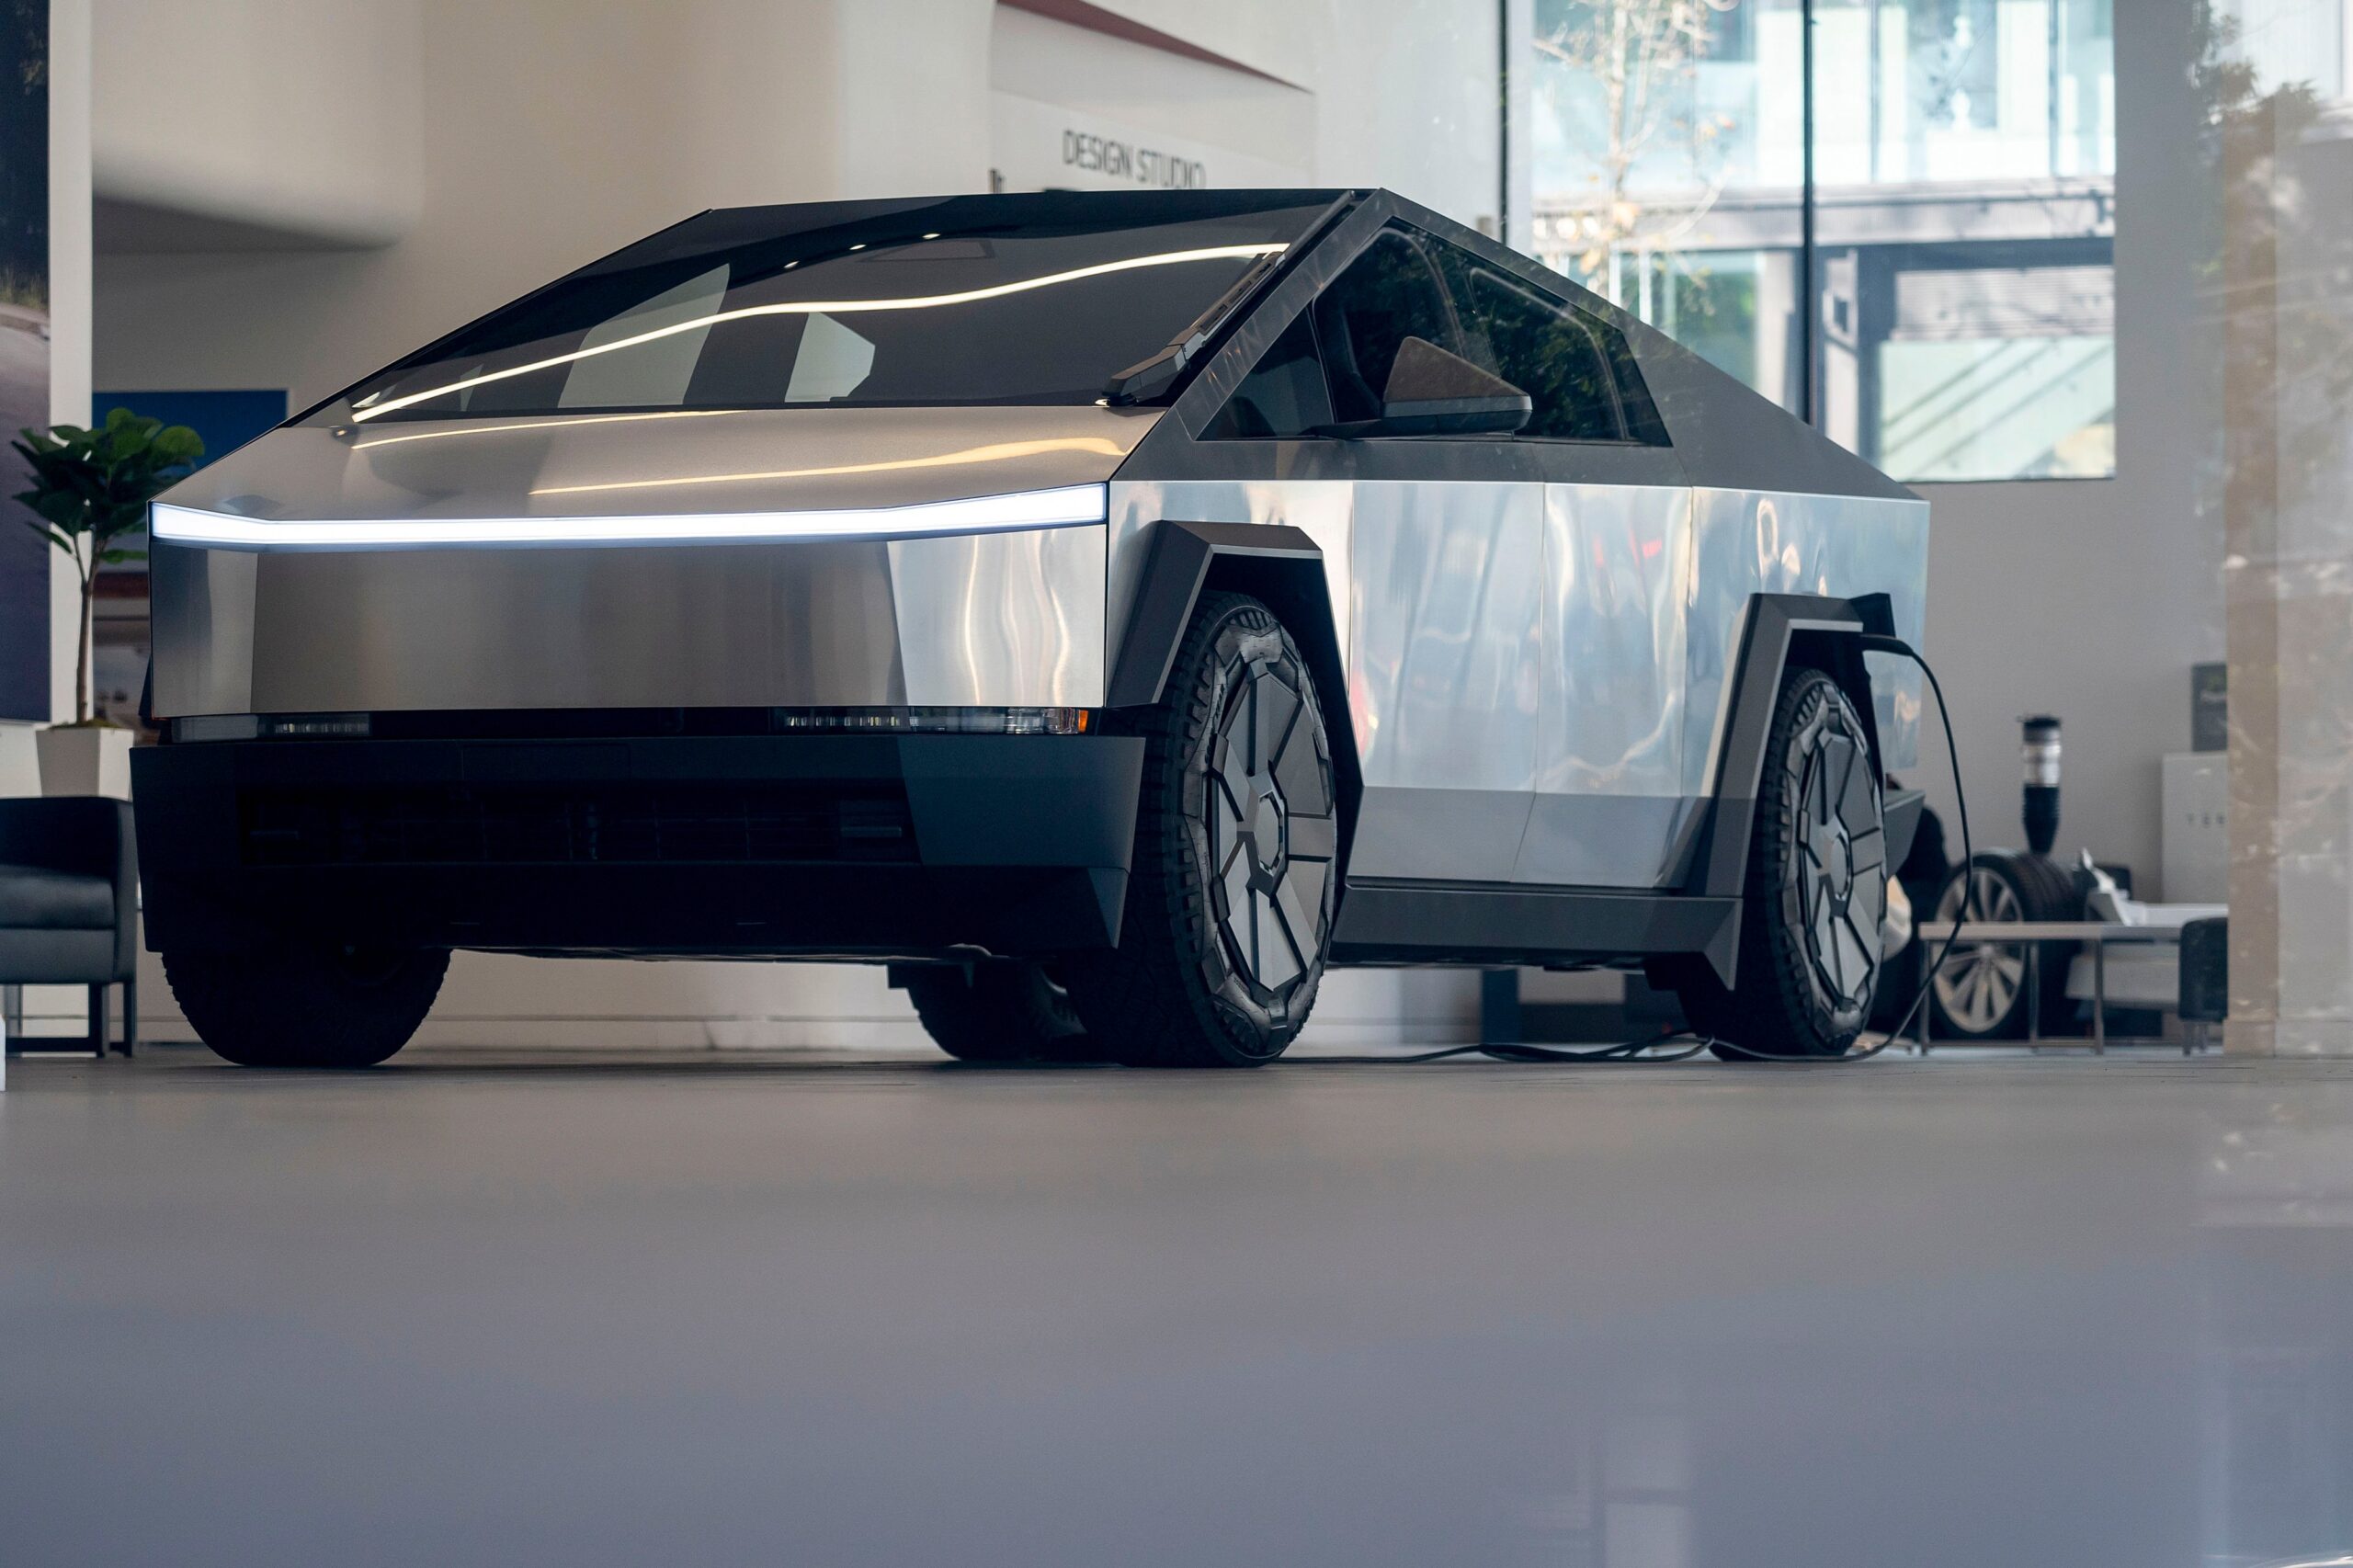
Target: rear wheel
x,y
1230,898
1816,890
306,1005
1009,1011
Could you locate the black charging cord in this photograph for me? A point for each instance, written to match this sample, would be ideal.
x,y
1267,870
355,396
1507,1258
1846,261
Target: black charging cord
x,y
1688,1045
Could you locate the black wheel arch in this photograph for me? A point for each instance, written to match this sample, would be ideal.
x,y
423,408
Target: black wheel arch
x,y
1281,567
1779,633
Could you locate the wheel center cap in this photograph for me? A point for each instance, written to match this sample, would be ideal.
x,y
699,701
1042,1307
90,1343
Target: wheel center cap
x,y
1834,853
1270,830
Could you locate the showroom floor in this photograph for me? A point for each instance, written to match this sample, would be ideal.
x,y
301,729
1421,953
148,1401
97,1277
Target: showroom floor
x,y
729,1308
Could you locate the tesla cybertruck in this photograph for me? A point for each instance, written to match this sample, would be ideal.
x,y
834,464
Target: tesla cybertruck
x,y
1107,611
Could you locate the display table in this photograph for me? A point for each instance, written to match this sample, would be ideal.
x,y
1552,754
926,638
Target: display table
x,y
2032,934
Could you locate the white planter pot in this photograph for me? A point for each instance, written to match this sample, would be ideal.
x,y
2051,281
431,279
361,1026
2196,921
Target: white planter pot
x,y
84,760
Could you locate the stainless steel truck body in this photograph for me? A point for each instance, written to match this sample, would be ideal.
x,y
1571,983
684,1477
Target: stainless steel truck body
x,y
845,582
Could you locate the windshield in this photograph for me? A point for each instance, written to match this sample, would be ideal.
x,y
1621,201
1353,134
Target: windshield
x,y
1037,300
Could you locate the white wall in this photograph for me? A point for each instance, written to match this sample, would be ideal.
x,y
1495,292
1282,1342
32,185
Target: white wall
x,y
296,116
70,296
550,132
1410,91
1405,91
1263,127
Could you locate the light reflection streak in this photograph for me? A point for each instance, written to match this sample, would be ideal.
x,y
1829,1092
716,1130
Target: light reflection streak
x,y
828,307
1000,452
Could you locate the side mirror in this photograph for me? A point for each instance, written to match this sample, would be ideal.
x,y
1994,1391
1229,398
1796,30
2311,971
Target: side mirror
x,y
1432,393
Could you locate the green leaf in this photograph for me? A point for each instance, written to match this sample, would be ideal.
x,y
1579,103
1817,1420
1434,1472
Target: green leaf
x,y
97,484
52,535
112,557
178,445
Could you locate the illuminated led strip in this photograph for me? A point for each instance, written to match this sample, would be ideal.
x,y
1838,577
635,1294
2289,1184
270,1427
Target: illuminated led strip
x,y
1064,507
827,306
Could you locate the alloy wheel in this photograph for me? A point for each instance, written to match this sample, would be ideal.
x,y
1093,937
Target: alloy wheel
x,y
1270,830
1979,983
1842,868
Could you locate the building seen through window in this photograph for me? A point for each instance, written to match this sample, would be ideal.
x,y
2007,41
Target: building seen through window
x,y
1959,320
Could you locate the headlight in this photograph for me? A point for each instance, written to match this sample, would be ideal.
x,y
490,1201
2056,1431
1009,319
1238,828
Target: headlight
x,y
1064,507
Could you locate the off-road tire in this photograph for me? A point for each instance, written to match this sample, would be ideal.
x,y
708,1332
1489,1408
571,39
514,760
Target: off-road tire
x,y
1809,961
306,1005
1228,919
1007,1011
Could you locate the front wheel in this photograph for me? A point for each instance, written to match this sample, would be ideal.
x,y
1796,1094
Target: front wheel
x,y
1229,897
1011,1010
306,1005
1816,892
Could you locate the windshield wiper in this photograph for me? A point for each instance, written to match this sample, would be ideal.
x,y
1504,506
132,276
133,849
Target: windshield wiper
x,y
1147,379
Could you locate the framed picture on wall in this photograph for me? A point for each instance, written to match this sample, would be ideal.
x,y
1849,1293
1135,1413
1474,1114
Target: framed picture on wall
x,y
24,349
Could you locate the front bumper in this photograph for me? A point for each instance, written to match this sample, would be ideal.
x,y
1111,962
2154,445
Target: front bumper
x,y
800,846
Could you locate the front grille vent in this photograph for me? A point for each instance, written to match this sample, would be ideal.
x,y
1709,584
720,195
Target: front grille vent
x,y
579,824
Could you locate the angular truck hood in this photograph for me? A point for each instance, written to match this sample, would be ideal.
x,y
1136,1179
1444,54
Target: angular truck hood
x,y
641,465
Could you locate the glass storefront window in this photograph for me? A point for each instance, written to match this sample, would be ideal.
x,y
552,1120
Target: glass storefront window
x,y
1668,167
1959,320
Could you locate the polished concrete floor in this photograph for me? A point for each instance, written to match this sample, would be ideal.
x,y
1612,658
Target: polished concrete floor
x,y
769,1309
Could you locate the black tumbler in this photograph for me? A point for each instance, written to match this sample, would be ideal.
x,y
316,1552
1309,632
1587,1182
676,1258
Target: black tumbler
x,y
2039,747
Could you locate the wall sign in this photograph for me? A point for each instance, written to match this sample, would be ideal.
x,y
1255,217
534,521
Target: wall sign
x,y
1041,147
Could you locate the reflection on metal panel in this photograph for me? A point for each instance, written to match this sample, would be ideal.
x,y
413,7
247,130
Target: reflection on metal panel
x,y
1437,598
1616,562
1443,674
717,626
662,462
1436,835
1012,620
1605,841
203,616
1445,670
1747,541
1318,508
1449,632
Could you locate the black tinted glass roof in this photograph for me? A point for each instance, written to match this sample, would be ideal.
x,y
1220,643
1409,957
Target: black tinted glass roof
x,y
1036,299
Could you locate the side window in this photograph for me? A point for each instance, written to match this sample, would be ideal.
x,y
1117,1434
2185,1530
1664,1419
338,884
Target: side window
x,y
1390,293
1576,367
1283,396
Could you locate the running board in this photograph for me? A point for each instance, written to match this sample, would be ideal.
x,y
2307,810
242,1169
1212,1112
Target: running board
x,y
1389,922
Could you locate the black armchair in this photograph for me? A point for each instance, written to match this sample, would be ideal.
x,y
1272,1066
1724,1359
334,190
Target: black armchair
x,y
69,902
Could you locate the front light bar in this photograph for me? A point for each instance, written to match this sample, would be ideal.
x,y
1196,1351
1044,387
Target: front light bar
x,y
1067,506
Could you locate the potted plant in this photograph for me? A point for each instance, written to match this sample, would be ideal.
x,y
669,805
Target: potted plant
x,y
90,491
